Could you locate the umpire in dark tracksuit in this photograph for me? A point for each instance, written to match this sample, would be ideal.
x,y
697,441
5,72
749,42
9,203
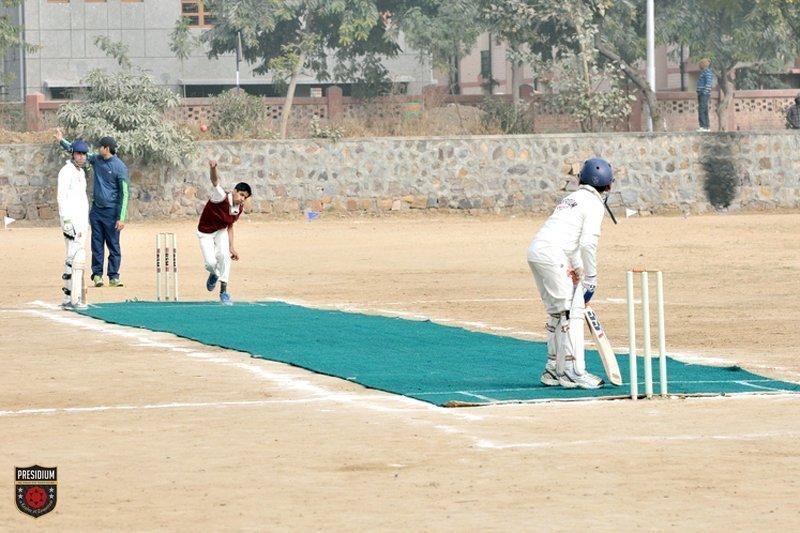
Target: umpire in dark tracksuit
x,y
109,207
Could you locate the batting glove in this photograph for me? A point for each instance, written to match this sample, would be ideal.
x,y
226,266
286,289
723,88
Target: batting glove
x,y
589,285
69,230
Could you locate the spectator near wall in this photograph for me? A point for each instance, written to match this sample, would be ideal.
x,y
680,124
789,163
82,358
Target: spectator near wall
x,y
704,84
793,115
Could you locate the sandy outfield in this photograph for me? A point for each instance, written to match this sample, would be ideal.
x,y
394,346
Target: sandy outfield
x,y
150,431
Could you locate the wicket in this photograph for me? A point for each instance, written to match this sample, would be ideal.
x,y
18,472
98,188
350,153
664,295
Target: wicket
x,y
166,275
662,351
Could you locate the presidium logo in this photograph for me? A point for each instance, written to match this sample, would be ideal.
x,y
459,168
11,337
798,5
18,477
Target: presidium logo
x,y
35,490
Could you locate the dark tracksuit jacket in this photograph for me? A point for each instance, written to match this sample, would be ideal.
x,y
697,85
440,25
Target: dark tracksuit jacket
x,y
109,205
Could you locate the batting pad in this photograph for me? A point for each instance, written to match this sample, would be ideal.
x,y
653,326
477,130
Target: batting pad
x,y
443,365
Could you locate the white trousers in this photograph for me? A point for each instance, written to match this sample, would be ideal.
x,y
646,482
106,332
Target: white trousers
x,y
564,336
554,284
75,250
216,253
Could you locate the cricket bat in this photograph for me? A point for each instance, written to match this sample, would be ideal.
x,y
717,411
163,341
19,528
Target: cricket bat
x,y
603,347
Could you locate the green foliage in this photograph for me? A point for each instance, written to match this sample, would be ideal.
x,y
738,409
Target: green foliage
x,y
280,36
12,117
130,106
319,131
734,33
445,31
11,34
238,115
288,37
370,79
507,117
181,40
598,101
114,49
757,79
598,32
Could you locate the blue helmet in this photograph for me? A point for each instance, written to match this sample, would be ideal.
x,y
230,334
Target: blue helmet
x,y
80,147
597,173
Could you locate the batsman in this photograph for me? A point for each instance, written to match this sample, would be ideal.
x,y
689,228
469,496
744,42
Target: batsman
x,y
73,210
563,259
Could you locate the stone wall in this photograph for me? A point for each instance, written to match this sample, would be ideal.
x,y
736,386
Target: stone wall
x,y
655,173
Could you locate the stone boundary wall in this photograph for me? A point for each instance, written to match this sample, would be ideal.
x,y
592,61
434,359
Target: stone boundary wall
x,y
658,173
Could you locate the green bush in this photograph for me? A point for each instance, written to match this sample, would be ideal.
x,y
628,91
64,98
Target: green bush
x,y
129,106
328,131
510,119
238,114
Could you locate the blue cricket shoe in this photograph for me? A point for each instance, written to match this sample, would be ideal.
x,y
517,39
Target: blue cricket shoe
x,y
225,298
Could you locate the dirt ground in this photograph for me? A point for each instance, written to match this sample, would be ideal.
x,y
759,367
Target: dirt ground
x,y
153,432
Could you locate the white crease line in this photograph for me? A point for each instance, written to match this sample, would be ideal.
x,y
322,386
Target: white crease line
x,y
469,300
456,300
491,445
620,388
751,384
171,405
479,396
282,380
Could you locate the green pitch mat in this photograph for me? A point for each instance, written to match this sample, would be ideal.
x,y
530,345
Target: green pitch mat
x,y
439,364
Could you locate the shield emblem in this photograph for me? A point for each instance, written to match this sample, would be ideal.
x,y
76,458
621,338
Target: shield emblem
x,y
35,489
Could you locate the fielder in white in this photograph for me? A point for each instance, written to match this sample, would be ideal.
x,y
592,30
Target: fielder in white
x,y
563,259
73,210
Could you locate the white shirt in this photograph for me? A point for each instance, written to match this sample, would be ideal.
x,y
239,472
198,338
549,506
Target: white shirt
x,y
73,204
218,194
573,230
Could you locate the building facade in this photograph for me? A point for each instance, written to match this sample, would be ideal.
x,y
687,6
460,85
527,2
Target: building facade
x,y
485,70
64,32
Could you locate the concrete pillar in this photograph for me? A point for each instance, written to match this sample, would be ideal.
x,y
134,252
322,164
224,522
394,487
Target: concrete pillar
x,y
33,114
335,102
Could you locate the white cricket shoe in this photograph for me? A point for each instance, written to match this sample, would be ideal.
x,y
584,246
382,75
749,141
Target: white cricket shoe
x,y
549,377
570,379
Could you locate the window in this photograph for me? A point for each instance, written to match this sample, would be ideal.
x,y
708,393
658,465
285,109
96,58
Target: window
x,y
195,13
486,64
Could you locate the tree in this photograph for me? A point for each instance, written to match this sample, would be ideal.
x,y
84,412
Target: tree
x,y
560,36
130,106
526,28
621,39
11,34
288,37
116,50
736,35
596,98
445,31
182,43
536,29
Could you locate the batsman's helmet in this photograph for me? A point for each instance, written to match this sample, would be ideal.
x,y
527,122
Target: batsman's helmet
x,y
597,173
80,146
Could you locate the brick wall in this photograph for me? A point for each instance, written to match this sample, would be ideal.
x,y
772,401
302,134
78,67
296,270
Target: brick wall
x,y
751,110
